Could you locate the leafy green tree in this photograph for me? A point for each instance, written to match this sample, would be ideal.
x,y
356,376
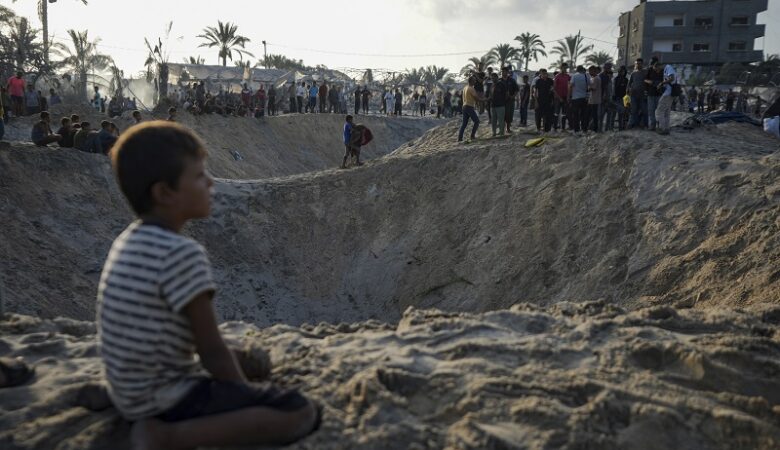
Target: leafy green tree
x,y
225,36
531,47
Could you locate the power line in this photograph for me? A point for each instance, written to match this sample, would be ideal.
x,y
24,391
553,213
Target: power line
x,y
382,55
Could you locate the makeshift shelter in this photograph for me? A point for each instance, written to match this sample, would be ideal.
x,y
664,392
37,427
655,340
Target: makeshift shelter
x,y
229,78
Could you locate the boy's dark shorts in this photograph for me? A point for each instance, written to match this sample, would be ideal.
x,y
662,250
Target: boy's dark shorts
x,y
211,396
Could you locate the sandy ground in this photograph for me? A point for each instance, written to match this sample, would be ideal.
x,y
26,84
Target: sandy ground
x,y
571,376
631,218
276,146
617,291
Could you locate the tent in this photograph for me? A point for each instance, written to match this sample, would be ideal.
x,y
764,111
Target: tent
x,y
230,78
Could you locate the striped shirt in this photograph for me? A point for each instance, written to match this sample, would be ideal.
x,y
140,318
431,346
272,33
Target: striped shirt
x,y
146,343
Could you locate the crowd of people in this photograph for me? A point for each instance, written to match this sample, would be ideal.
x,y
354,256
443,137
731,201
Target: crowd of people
x,y
78,134
592,99
196,98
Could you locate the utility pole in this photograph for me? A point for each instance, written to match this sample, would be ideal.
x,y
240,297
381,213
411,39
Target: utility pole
x,y
44,13
265,55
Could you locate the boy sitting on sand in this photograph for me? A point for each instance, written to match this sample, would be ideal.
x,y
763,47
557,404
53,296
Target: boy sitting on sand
x,y
155,312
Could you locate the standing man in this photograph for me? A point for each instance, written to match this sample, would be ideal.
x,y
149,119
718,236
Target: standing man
x,y
653,80
525,97
300,94
497,103
272,100
607,109
323,93
479,85
543,92
511,94
399,102
594,99
347,136
389,103
470,99
664,109
357,94
313,91
561,82
620,84
32,101
291,93
578,93
16,91
636,88
364,99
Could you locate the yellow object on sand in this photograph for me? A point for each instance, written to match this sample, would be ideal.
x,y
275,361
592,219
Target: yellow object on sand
x,y
535,142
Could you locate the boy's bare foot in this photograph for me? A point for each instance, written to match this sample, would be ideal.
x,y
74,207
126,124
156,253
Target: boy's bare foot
x,y
148,434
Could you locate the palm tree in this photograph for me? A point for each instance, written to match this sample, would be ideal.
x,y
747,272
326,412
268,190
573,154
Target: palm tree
x,y
486,60
84,58
194,60
414,76
598,58
22,41
432,74
531,47
368,76
157,61
504,54
226,37
281,62
43,13
244,64
571,48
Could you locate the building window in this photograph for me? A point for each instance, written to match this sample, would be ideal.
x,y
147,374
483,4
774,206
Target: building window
x,y
703,22
678,22
622,30
737,46
740,21
635,25
677,47
701,47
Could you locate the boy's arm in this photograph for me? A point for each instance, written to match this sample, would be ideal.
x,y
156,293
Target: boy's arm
x,y
214,354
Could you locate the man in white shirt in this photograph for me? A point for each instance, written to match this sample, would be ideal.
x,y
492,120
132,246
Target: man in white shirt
x,y
664,109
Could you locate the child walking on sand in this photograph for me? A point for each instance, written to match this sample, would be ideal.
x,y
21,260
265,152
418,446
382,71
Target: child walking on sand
x,y
155,312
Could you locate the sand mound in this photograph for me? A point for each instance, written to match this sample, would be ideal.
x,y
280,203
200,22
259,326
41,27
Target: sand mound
x,y
570,376
630,218
276,146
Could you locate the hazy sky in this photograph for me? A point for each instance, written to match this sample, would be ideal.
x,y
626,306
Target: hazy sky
x,y
375,30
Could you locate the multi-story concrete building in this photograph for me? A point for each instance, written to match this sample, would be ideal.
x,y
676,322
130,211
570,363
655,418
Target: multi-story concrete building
x,y
693,33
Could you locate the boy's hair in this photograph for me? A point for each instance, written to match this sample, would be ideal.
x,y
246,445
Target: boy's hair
x,y
74,117
85,124
171,110
348,118
104,124
149,153
44,115
65,120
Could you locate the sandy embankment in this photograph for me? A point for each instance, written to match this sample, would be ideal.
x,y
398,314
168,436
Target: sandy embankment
x,y
677,239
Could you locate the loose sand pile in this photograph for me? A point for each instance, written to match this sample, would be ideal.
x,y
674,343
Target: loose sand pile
x,y
571,376
612,292
271,147
631,218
